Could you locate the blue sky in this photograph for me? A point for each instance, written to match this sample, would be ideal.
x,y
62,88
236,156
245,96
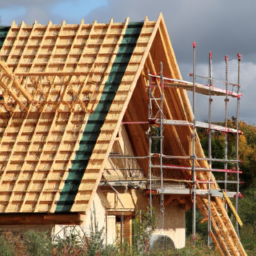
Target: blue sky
x,y
76,11
223,27
8,13
71,11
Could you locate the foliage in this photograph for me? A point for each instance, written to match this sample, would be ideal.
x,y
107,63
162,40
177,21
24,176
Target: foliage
x,y
37,243
25,244
143,226
79,244
71,244
201,228
95,242
247,156
7,247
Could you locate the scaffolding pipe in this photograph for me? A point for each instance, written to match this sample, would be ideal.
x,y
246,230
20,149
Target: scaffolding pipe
x,y
211,79
149,150
155,100
200,88
193,149
230,181
161,145
219,160
226,123
186,123
174,180
191,74
237,141
210,148
196,169
122,230
210,112
174,157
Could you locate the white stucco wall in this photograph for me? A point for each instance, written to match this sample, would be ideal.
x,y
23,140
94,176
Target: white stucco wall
x,y
111,229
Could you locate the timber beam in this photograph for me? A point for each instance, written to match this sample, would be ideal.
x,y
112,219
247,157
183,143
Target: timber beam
x,y
42,219
119,212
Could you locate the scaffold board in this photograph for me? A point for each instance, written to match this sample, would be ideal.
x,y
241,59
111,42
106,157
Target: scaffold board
x,y
199,88
200,124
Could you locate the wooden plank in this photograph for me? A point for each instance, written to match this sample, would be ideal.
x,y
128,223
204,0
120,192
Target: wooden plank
x,y
225,232
220,241
217,243
41,219
233,209
125,212
127,229
230,227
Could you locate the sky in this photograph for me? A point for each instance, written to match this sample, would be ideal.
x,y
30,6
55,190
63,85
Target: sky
x,y
223,27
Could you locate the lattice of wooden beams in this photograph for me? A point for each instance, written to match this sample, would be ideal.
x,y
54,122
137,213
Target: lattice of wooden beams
x,y
51,79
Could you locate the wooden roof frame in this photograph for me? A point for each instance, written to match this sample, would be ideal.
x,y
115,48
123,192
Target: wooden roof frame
x,y
226,238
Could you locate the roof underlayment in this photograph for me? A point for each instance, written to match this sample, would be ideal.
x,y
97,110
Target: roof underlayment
x,y
3,34
66,91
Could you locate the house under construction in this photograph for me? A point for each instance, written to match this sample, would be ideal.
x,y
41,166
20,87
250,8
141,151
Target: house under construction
x,y
97,116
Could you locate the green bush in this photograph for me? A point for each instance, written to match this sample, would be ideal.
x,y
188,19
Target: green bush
x,y
38,243
7,247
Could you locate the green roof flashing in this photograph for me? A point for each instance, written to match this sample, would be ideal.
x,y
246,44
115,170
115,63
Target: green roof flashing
x,y
3,34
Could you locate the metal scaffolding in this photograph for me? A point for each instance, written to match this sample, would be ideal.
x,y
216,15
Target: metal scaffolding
x,y
157,120
212,91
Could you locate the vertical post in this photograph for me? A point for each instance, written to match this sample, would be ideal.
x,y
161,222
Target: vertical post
x,y
226,125
193,148
106,224
161,145
210,147
237,140
122,230
210,111
150,145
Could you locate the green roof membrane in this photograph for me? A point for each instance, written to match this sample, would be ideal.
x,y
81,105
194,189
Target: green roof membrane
x,y
3,34
96,120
